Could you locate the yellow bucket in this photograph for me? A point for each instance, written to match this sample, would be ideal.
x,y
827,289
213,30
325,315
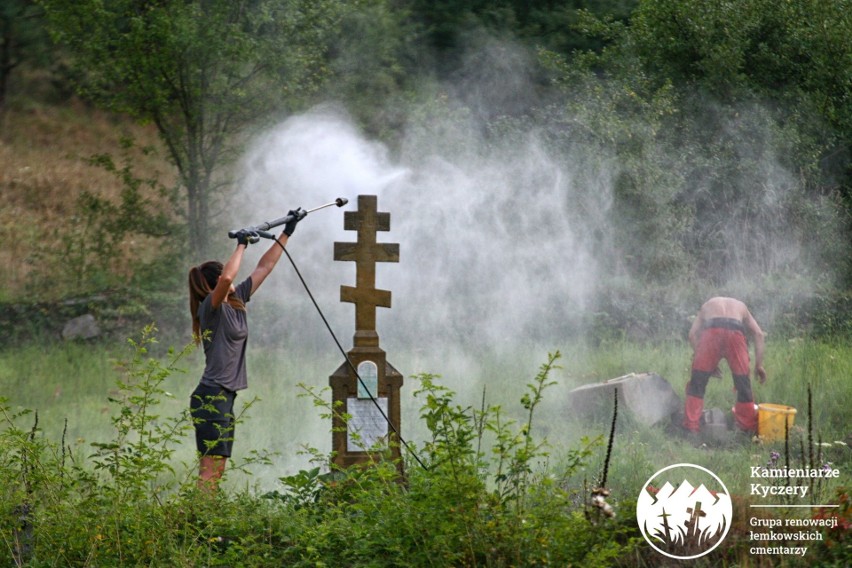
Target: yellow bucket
x,y
770,420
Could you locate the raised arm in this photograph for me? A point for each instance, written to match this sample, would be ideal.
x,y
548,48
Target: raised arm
x,y
267,262
270,258
226,279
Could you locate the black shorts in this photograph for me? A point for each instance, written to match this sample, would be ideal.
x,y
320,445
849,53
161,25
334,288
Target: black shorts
x,y
212,411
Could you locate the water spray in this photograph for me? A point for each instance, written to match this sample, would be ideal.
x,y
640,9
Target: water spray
x,y
262,230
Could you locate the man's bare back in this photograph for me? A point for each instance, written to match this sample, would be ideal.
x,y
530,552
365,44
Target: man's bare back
x,y
721,307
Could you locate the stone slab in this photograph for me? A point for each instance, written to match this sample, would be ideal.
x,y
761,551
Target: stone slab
x,y
648,397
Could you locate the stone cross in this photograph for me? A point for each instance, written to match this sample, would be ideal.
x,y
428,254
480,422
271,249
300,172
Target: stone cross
x,y
372,402
366,252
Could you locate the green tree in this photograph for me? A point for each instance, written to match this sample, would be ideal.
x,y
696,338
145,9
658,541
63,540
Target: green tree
x,y
715,179
796,54
22,38
792,59
621,125
375,60
549,24
203,71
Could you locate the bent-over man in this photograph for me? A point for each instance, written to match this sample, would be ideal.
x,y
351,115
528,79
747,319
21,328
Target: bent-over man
x,y
719,332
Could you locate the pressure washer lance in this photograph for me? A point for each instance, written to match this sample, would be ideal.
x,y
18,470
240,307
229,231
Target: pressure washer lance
x,y
262,230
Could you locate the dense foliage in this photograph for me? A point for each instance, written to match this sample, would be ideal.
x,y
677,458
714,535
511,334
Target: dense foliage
x,y
460,503
201,71
480,489
713,138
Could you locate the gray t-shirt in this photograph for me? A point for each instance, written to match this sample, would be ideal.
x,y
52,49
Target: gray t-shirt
x,y
225,349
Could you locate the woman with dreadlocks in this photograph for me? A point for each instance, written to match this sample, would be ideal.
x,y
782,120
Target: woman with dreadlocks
x,y
219,323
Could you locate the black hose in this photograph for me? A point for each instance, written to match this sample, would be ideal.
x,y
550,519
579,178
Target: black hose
x,y
345,356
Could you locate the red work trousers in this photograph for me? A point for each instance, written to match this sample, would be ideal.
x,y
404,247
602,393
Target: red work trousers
x,y
714,345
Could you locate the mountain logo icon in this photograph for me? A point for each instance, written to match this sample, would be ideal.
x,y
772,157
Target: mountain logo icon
x,y
684,511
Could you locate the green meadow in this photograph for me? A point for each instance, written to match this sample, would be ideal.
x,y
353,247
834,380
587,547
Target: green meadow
x,y
70,441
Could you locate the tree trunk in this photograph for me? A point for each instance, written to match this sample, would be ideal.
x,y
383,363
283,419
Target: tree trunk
x,y
197,218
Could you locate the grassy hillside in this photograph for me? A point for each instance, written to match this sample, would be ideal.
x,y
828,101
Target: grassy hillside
x,y
44,169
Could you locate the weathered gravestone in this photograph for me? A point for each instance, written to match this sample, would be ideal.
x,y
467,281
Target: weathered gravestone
x,y
648,397
373,401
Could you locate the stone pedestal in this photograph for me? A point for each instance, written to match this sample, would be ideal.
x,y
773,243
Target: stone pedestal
x,y
373,406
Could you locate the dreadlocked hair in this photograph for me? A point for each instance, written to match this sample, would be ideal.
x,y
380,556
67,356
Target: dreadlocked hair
x,y
202,280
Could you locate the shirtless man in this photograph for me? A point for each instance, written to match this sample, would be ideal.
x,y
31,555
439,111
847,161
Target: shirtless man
x,y
719,332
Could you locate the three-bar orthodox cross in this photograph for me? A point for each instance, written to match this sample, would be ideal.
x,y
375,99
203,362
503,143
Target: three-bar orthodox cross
x,y
366,252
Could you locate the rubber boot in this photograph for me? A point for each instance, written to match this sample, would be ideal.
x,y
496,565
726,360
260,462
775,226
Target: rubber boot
x,y
692,413
745,416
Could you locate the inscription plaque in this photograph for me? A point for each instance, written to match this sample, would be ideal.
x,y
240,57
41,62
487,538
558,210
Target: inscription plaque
x,y
369,424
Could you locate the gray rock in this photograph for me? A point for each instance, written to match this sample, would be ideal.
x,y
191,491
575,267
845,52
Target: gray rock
x,y
82,327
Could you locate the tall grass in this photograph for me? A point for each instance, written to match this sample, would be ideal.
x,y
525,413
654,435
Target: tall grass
x,y
126,503
508,479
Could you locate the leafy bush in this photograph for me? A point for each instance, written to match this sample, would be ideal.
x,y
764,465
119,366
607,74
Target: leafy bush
x,y
457,504
479,493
